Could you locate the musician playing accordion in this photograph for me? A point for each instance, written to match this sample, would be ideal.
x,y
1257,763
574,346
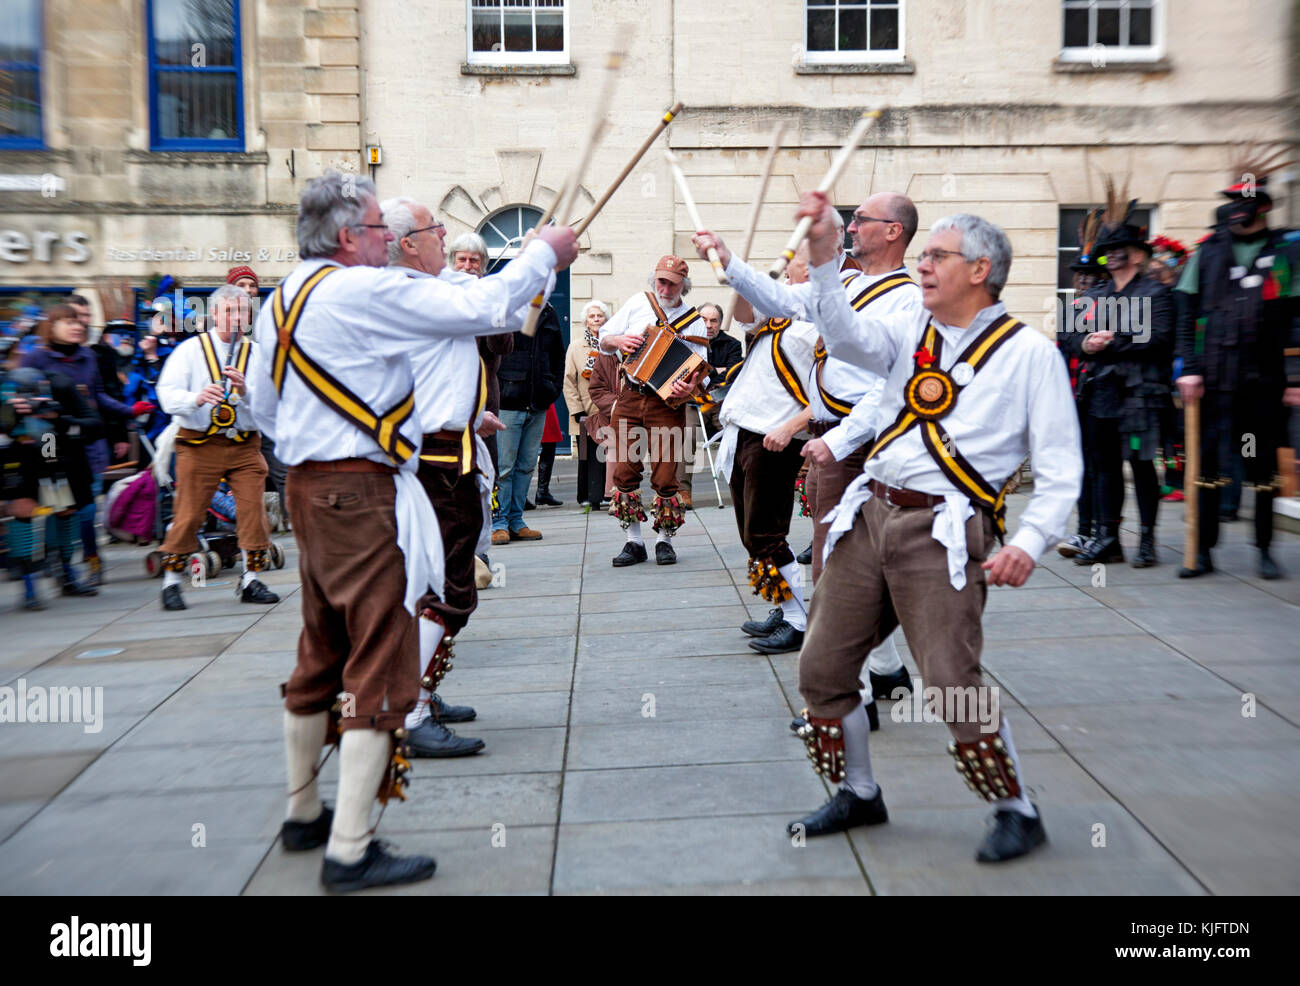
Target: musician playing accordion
x,y
644,423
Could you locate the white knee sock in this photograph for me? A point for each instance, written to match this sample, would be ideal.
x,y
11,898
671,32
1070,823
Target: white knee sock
x,y
363,757
303,738
1020,804
171,578
857,756
663,537
248,576
430,638
793,608
634,532
885,659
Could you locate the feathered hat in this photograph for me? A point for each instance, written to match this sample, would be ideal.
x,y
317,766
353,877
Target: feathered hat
x,y
1117,228
1086,262
1248,194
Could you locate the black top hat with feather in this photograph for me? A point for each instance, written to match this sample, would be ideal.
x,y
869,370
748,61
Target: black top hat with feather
x,y
1117,228
1086,262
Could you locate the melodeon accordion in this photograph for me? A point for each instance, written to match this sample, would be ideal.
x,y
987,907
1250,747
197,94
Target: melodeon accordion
x,y
661,361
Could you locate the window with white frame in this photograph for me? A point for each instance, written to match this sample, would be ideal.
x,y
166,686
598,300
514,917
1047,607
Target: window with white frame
x,y
1125,30
518,32
853,31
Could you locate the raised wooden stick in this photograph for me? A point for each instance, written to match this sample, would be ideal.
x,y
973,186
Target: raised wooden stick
x,y
1191,481
838,164
694,213
761,194
564,201
627,170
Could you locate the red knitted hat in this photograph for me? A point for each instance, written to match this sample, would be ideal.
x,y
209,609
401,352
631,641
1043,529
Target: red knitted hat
x,y
235,273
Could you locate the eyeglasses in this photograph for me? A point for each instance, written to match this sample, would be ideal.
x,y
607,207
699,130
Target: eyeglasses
x,y
939,256
859,220
435,226
369,226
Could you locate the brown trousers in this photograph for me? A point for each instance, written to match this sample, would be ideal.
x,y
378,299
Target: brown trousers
x,y
889,570
357,637
824,487
199,470
762,491
646,425
455,500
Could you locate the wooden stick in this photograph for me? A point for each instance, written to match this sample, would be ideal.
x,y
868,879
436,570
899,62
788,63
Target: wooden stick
x,y
564,201
838,164
768,163
694,213
627,170
1191,480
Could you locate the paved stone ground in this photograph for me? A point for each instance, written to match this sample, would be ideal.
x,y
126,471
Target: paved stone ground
x,y
1126,698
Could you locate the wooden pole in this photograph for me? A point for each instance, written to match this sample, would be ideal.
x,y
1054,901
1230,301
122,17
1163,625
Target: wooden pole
x,y
773,146
627,170
1191,481
838,164
694,213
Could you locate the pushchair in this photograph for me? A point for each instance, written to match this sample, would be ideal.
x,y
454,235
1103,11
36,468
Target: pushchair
x,y
150,495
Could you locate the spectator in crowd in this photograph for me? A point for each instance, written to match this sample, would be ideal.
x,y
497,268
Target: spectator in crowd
x,y
724,353
530,379
586,418
63,349
551,438
141,390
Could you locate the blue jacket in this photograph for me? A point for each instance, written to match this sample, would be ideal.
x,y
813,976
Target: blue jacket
x,y
83,369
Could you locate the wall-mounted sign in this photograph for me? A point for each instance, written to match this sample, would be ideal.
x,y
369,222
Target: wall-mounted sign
x,y
16,247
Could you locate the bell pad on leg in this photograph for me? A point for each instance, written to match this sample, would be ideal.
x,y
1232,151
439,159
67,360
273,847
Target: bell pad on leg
x,y
174,563
987,767
824,741
256,560
626,507
440,662
669,514
767,581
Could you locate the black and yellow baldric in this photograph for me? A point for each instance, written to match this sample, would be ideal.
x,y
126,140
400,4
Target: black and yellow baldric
x,y
384,428
784,371
930,395
458,450
836,405
222,420
873,291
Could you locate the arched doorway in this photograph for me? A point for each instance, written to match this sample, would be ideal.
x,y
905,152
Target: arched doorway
x,y
503,231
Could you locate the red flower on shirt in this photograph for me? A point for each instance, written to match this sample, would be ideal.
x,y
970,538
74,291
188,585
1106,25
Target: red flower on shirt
x,y
923,358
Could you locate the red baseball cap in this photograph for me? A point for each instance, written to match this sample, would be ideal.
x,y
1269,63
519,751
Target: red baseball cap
x,y
672,268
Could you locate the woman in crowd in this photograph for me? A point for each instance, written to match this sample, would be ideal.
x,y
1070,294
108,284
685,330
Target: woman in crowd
x,y
586,417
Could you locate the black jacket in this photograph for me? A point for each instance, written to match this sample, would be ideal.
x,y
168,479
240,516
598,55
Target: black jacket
x,y
724,353
532,375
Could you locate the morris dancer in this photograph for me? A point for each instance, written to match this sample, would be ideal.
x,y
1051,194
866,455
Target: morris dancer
x,y
641,412
337,393
969,393
202,386
843,398
766,407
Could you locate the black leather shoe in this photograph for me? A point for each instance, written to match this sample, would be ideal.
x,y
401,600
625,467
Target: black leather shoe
x,y
664,554
783,638
72,587
884,685
171,597
805,557
451,713
432,739
844,811
1204,565
529,505
1102,549
1146,553
1268,567
632,554
1011,834
544,499
377,868
755,628
257,592
301,836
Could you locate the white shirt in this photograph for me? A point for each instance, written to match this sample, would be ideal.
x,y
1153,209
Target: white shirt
x,y
758,401
362,324
636,314
1019,403
847,381
186,373
447,371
